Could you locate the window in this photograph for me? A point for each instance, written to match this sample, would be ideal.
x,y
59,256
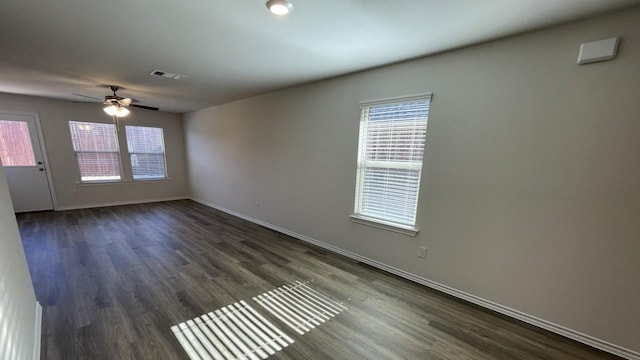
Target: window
x,y
15,144
146,150
390,152
96,148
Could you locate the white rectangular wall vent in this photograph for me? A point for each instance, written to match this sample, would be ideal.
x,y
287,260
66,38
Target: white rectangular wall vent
x,y
168,75
601,50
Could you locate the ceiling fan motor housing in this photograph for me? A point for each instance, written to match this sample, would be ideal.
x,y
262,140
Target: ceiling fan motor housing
x,y
115,99
112,98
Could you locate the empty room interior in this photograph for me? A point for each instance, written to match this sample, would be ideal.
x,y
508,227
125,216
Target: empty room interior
x,y
320,179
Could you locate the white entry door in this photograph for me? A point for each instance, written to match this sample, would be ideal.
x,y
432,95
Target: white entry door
x,y
21,156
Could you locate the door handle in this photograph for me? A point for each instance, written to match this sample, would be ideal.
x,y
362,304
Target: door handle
x,y
41,169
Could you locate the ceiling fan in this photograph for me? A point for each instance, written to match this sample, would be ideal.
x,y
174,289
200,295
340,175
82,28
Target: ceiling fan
x,y
117,105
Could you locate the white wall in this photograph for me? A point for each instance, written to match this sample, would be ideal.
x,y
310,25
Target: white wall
x,y
530,196
17,299
54,118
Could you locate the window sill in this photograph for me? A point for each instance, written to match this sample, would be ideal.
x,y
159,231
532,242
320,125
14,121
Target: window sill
x,y
381,224
141,181
99,183
121,182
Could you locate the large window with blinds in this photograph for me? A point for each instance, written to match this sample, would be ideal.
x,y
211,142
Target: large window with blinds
x,y
391,148
97,152
146,151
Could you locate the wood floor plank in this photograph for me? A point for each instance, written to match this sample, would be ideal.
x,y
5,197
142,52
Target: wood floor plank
x,y
113,280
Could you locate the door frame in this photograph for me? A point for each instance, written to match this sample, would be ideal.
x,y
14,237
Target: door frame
x,y
43,149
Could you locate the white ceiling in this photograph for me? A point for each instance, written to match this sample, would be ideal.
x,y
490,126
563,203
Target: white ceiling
x,y
232,49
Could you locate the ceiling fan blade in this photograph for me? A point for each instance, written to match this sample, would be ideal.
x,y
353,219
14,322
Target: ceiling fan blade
x,y
88,97
145,107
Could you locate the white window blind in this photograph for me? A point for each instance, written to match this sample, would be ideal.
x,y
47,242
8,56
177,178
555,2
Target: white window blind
x,y
96,148
146,150
391,149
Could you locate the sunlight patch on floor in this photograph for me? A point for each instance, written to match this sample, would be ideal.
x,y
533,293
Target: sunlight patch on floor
x,y
299,306
233,332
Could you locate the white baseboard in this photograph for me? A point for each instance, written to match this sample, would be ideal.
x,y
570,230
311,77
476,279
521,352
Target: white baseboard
x,y
519,315
118,203
37,339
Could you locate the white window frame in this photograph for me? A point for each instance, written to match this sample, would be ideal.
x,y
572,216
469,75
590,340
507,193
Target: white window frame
x,y
359,216
164,154
76,152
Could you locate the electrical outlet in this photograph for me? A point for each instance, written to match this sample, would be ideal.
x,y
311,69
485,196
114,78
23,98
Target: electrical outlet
x,y
422,252
257,205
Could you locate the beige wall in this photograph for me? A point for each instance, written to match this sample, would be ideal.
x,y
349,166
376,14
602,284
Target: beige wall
x,y
17,299
54,119
530,196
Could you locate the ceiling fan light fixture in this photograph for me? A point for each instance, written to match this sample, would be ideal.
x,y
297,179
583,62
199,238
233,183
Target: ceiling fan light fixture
x,y
279,7
122,112
116,110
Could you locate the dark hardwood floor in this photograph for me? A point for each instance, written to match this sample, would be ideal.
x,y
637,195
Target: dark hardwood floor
x,y
112,281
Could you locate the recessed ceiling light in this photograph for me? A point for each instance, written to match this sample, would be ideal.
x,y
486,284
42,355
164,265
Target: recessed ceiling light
x,y
279,7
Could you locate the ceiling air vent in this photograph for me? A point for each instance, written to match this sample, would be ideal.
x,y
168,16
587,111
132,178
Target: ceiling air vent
x,y
168,75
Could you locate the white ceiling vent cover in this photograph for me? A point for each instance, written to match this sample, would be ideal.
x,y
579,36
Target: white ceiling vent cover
x,y
168,75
